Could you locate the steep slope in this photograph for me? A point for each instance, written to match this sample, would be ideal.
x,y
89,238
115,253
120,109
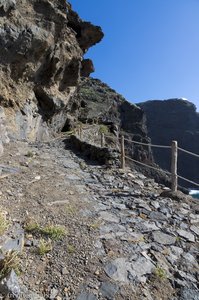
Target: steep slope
x,y
96,101
174,119
121,240
42,46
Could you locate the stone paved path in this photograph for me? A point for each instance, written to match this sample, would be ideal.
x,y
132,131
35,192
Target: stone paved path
x,y
124,241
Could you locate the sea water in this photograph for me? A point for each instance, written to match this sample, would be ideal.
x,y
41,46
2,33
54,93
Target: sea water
x,y
194,193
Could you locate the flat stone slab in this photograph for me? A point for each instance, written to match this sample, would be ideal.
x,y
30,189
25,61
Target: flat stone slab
x,y
163,238
147,226
155,215
14,241
142,266
186,235
109,217
108,290
117,270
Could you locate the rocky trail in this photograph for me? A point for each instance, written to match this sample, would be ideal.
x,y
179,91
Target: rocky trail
x,y
120,238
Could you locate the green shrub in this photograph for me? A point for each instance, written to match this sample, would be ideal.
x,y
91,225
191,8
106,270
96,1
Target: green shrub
x,y
104,129
54,232
8,263
44,247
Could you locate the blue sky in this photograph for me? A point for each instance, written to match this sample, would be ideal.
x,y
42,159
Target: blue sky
x,y
150,49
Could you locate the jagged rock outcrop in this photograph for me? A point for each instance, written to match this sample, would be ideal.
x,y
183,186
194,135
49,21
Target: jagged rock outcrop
x,y
174,119
42,46
96,101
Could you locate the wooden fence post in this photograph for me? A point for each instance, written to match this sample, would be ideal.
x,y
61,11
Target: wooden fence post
x,y
122,153
80,132
102,140
174,161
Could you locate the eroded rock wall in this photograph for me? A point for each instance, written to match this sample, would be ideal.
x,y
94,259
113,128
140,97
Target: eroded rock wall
x,y
174,119
42,43
96,101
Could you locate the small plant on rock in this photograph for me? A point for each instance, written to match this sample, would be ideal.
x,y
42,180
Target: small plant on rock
x,y
82,165
9,261
70,209
70,248
54,232
160,272
95,225
32,227
103,129
44,247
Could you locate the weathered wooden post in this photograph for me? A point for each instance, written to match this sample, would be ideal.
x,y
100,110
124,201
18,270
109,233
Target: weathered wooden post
x,y
80,131
122,153
174,161
102,140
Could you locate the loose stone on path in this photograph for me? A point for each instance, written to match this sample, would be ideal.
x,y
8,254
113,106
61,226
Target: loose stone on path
x,y
163,238
186,235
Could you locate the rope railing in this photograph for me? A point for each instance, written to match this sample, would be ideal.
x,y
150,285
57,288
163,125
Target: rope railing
x,y
190,181
188,152
145,144
174,155
146,165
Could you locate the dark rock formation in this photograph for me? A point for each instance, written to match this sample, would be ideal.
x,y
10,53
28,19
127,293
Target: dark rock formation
x,y
87,68
174,119
96,101
104,155
42,46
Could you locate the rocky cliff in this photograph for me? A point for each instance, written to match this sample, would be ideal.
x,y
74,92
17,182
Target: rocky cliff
x,y
42,46
174,119
95,101
43,43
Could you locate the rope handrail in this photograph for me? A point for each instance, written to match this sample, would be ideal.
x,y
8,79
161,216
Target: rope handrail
x,y
145,144
143,164
188,152
190,181
166,172
135,142
173,147
149,144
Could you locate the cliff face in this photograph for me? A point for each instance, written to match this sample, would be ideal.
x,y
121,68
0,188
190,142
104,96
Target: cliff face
x,y
42,45
174,119
96,101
